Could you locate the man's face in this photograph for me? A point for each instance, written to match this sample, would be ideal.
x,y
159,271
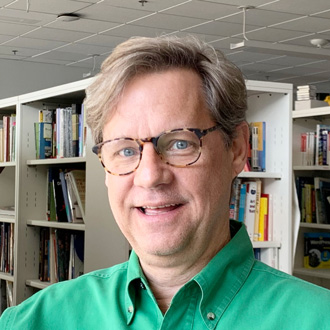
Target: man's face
x,y
162,210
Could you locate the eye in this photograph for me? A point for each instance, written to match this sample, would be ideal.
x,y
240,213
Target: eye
x,y
127,152
180,144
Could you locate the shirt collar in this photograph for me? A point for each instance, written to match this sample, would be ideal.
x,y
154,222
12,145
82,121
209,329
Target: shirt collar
x,y
219,281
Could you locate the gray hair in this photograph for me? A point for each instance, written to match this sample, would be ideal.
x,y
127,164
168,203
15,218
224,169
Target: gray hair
x,y
222,82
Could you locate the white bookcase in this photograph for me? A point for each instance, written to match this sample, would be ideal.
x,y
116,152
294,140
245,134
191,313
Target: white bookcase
x,y
24,182
272,103
306,121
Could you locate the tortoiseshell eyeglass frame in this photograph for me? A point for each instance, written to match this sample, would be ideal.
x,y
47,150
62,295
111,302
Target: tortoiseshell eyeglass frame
x,y
200,133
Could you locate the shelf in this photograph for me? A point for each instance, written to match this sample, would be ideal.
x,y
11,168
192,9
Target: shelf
x,y
56,161
261,175
314,225
7,219
320,273
265,245
311,168
321,111
37,284
7,164
59,225
6,277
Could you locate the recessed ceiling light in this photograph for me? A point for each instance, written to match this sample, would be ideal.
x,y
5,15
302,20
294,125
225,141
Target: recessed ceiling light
x,y
68,17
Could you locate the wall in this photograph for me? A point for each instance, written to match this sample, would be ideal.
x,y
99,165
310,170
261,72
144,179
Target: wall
x,y
18,77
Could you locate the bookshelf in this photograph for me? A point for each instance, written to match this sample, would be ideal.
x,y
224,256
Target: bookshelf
x,y
26,184
272,103
305,120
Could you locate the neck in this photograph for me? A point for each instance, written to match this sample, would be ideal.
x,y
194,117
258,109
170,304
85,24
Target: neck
x,y
167,275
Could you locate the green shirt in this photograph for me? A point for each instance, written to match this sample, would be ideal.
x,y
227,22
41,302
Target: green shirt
x,y
234,291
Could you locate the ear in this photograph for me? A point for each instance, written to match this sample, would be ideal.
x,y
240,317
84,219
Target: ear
x,y
240,147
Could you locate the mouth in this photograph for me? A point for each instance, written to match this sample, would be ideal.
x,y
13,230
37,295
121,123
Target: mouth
x,y
159,209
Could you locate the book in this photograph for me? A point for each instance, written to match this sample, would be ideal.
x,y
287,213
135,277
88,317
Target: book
x,y
320,201
43,136
76,179
309,104
317,250
258,155
250,206
263,218
242,203
65,196
257,211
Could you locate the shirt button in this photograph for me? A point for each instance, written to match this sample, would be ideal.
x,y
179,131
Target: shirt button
x,y
130,309
211,316
142,286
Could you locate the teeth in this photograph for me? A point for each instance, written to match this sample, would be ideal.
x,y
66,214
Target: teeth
x,y
158,207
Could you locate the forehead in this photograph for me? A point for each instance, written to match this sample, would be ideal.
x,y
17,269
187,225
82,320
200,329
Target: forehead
x,y
155,102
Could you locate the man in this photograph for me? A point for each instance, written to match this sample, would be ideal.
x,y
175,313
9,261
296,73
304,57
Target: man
x,y
168,117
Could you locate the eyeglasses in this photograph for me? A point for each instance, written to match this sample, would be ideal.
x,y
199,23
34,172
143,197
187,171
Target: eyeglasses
x,y
179,147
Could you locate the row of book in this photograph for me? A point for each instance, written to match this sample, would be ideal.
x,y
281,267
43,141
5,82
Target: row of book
x,y
66,195
6,295
315,146
257,148
314,199
252,207
60,132
7,138
317,250
7,248
61,255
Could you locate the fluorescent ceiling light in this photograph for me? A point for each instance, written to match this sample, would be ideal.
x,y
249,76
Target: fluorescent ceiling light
x,y
282,49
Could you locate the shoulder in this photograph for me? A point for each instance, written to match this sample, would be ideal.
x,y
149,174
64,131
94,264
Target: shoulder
x,y
65,298
288,286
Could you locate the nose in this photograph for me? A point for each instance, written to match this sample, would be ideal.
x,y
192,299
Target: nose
x,y
152,171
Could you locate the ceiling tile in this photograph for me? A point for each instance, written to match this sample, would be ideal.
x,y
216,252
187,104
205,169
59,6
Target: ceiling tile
x,y
210,10
273,34
4,38
238,2
305,7
13,29
23,17
34,43
102,12
323,14
247,56
151,6
83,25
288,60
260,17
130,30
21,52
62,56
306,24
220,28
102,40
57,34
86,49
51,7
163,21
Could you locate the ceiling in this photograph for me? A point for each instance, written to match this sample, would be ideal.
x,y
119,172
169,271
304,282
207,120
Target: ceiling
x,y
31,32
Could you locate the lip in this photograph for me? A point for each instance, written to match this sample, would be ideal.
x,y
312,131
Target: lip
x,y
164,209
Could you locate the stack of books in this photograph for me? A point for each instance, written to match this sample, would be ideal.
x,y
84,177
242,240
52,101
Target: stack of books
x,y
306,98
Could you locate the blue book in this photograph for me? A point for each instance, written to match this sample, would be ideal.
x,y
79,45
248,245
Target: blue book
x,y
242,200
43,137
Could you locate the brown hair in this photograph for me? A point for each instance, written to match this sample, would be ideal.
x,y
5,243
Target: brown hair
x,y
223,83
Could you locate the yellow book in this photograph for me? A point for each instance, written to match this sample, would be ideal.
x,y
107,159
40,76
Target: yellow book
x,y
263,217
